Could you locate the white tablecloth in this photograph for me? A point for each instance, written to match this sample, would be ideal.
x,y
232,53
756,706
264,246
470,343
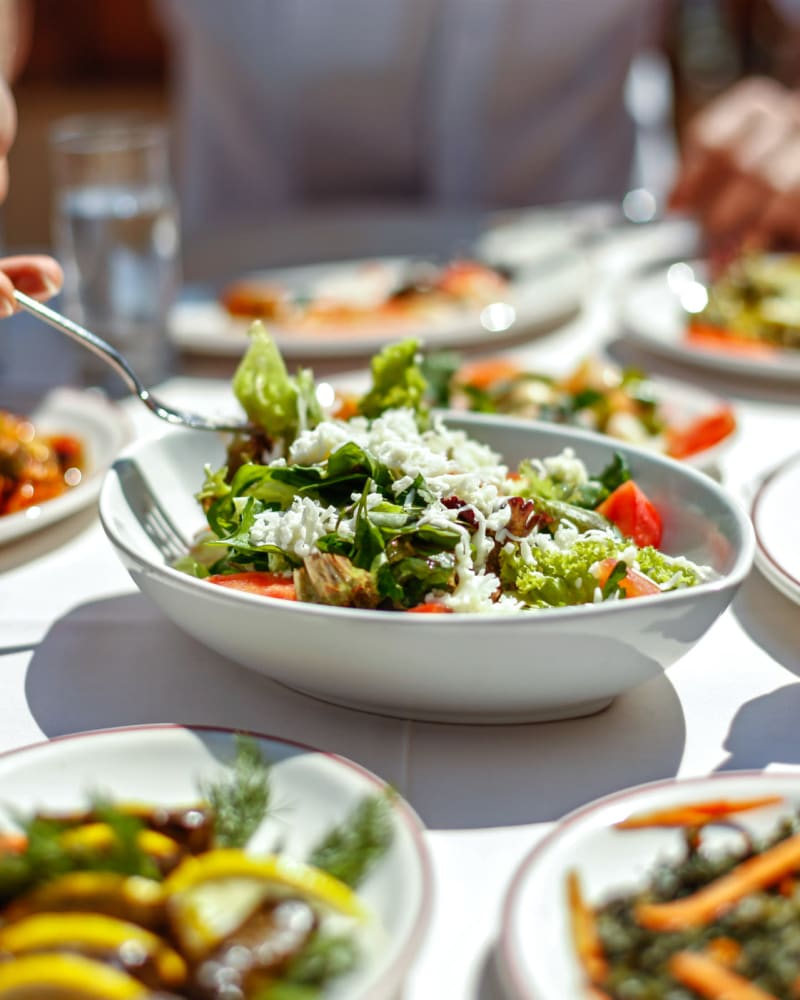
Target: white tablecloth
x,y
81,649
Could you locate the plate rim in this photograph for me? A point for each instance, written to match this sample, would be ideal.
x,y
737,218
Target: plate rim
x,y
718,361
409,817
86,492
790,585
510,968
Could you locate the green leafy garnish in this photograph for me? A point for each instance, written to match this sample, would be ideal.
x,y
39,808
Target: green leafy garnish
x,y
397,381
241,798
271,398
438,370
615,578
47,854
349,850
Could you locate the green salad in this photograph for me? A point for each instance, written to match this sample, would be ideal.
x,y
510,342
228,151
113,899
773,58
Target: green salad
x,y
379,504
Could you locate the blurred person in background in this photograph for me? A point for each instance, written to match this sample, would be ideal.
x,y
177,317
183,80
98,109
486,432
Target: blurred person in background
x,y
35,275
462,104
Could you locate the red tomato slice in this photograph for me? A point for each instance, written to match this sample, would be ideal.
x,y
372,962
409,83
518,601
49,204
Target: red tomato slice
x,y
633,514
633,583
701,433
715,338
430,608
265,584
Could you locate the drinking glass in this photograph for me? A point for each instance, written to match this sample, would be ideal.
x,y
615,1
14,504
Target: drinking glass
x,y
115,231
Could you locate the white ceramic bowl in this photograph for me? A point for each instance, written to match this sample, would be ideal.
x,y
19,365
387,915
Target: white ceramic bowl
x,y
311,792
535,954
471,668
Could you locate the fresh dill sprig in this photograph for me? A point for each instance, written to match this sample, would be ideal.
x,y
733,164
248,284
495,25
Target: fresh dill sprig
x,y
349,850
239,800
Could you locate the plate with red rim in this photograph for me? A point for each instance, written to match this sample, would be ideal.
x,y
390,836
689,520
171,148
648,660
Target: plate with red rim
x,y
312,791
542,301
653,309
777,529
102,429
535,952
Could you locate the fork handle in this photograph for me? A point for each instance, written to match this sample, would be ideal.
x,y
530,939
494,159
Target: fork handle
x,y
86,338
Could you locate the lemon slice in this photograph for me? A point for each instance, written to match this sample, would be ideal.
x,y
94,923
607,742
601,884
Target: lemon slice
x,y
211,895
48,976
93,934
128,897
97,837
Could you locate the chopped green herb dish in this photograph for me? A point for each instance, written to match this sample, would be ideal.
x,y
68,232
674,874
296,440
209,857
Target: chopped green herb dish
x,y
380,504
716,923
125,900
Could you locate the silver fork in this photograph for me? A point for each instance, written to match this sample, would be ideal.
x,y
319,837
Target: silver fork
x,y
122,367
155,521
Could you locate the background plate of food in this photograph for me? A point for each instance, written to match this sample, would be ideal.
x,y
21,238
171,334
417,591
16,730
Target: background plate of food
x,y
53,459
671,418
204,862
676,888
746,322
354,308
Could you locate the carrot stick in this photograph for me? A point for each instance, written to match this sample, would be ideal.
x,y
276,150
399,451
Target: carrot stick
x,y
712,980
13,843
587,942
695,814
713,899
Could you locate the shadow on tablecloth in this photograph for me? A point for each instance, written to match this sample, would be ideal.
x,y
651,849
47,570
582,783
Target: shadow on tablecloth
x,y
120,662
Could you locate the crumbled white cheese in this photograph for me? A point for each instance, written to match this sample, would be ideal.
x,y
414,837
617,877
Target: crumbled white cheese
x,y
295,530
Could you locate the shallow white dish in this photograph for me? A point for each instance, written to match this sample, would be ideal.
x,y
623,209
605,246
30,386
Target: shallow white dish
x,y
102,429
535,953
538,303
311,790
651,312
471,668
774,514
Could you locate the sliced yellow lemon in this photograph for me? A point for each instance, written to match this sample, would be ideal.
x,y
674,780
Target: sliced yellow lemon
x,y
213,894
93,934
98,837
128,897
48,976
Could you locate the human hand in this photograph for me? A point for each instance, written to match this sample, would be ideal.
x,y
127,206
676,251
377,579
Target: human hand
x,y
8,128
740,173
34,274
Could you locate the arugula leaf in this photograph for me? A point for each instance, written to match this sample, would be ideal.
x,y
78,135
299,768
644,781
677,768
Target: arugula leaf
x,y
349,850
617,575
615,473
397,381
438,370
240,799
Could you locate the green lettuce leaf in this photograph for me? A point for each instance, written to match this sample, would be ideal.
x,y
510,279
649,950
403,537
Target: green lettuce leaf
x,y
397,381
271,398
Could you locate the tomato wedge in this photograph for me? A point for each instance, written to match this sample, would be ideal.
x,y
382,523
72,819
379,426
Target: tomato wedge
x,y
484,374
430,608
702,433
265,584
634,515
633,584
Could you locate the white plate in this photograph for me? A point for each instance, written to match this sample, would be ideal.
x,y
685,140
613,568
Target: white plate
x,y
774,514
102,429
543,301
652,313
435,666
535,952
311,791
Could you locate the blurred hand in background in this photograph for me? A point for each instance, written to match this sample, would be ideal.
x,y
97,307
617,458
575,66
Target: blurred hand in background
x,y
740,170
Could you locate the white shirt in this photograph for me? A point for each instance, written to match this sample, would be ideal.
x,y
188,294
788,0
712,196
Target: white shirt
x,y
478,103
